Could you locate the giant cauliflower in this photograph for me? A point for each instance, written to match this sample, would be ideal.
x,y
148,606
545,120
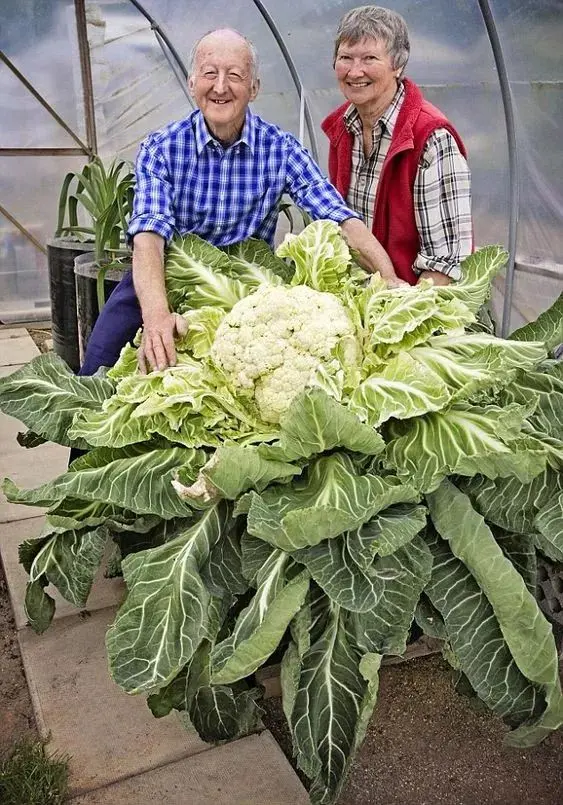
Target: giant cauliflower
x,y
272,343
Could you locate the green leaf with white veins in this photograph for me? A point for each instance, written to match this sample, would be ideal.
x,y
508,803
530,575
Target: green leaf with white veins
x,y
387,531
316,423
232,470
39,606
527,633
196,275
426,449
334,570
163,619
508,503
477,273
321,256
262,624
218,712
331,707
545,389
333,498
45,395
403,576
402,389
549,522
137,478
202,326
390,316
253,262
474,362
70,561
548,327
114,427
476,636
222,572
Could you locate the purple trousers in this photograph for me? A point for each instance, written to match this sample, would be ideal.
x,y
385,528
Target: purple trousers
x,y
116,325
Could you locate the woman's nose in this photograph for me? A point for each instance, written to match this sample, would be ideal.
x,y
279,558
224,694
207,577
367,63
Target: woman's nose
x,y
356,67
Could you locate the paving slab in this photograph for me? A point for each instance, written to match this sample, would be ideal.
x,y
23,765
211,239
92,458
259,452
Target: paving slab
x,y
104,593
26,467
13,332
9,370
251,771
16,347
109,734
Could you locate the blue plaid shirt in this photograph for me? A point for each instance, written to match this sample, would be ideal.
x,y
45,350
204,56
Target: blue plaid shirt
x,y
187,182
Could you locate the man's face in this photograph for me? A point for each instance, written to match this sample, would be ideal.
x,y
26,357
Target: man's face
x,y
365,74
222,84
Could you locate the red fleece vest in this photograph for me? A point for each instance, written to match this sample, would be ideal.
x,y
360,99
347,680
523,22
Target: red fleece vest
x,y
394,224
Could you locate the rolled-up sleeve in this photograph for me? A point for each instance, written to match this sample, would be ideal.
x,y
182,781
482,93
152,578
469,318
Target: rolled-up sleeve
x,y
310,189
442,206
152,205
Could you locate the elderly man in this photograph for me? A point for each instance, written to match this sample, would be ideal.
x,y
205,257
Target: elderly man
x,y
219,173
395,158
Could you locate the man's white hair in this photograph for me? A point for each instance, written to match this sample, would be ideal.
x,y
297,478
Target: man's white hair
x,y
252,52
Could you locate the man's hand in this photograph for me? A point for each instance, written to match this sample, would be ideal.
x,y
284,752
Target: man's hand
x,y
157,348
436,277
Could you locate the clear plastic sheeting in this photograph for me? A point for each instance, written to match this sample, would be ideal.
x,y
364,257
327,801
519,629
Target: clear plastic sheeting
x,y
137,88
40,39
23,276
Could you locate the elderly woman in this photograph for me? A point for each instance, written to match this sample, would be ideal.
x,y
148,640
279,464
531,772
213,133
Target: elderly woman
x,y
396,158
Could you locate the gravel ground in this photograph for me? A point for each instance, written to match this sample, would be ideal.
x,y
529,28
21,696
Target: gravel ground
x,y
429,745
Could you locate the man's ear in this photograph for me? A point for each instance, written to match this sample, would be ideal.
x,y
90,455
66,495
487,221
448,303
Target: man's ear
x,y
191,84
254,89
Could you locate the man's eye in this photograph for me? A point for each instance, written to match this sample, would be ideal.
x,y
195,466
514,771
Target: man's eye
x,y
344,58
210,74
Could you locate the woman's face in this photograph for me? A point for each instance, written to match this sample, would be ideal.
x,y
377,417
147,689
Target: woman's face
x,y
365,74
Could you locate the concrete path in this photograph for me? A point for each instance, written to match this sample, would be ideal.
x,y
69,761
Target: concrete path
x,y
120,754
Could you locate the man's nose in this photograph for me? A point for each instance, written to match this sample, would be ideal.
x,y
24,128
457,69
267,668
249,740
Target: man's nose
x,y
220,84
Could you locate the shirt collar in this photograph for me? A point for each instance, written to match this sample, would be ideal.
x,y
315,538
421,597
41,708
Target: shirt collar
x,y
387,120
203,136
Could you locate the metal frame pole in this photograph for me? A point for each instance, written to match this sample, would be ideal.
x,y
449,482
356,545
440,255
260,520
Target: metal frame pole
x,y
86,73
513,176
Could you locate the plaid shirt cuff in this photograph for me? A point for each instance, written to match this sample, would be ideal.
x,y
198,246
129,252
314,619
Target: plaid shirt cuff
x,y
444,265
150,223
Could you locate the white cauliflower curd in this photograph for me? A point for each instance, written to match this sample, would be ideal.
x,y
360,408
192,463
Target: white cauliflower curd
x,y
273,341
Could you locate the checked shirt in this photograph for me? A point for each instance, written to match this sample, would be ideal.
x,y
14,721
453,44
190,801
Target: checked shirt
x,y
188,182
442,189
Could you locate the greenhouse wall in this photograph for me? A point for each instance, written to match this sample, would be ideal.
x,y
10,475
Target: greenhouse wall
x,y
137,86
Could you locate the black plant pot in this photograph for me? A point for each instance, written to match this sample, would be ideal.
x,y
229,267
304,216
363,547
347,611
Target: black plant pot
x,y
86,272
61,255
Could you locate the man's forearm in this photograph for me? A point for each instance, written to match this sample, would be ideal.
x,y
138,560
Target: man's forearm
x,y
436,277
148,274
371,253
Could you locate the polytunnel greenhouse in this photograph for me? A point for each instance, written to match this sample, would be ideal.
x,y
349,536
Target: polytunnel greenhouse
x,y
95,78
284,457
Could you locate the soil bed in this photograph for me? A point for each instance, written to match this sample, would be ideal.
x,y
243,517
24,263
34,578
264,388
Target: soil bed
x,y
429,745
16,711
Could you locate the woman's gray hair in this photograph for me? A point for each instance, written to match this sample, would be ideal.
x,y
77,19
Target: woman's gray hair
x,y
374,22
253,53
